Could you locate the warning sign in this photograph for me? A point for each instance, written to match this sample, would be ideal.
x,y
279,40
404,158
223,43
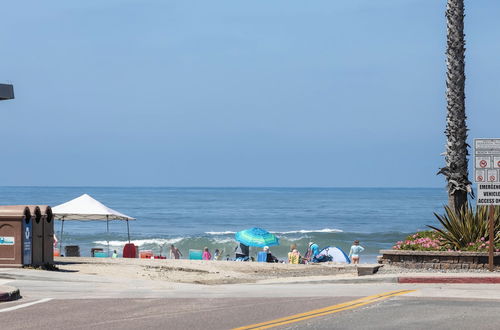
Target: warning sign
x,y
486,171
492,176
488,194
496,162
486,160
480,176
482,162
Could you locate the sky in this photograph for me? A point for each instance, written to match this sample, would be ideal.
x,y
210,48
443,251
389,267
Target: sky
x,y
347,93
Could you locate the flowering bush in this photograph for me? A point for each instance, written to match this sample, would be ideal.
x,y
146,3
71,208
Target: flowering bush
x,y
433,241
421,241
481,245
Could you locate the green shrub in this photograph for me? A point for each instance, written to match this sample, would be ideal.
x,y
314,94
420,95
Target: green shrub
x,y
467,228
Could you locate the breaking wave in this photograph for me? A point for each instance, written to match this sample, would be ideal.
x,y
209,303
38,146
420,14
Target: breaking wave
x,y
300,231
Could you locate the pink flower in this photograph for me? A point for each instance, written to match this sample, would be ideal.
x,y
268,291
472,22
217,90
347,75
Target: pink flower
x,y
482,239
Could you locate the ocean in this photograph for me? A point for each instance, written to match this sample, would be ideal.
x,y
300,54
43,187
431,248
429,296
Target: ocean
x,y
194,218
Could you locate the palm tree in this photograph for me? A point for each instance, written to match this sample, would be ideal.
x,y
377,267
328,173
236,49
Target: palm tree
x,y
456,153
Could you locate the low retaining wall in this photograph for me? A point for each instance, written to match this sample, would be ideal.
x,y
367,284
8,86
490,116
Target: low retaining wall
x,y
438,259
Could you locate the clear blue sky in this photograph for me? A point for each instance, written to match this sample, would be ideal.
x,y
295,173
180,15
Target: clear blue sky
x,y
236,93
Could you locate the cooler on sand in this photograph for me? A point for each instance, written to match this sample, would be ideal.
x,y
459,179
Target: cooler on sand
x,y
129,251
195,254
146,254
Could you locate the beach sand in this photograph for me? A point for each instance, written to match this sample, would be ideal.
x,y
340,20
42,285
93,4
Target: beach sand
x,y
199,271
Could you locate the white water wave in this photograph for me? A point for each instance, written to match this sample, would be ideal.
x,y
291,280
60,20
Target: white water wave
x,y
306,231
224,240
220,232
293,239
141,242
302,231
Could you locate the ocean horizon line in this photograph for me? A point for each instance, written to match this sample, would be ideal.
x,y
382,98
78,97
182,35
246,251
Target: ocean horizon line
x,y
226,187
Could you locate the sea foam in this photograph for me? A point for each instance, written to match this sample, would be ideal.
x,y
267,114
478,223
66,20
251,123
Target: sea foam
x,y
301,231
141,242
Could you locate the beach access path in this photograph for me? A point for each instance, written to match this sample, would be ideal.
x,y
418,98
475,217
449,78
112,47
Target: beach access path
x,y
113,294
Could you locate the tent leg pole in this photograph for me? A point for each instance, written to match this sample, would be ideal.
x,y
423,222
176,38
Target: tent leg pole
x,y
107,229
128,232
60,243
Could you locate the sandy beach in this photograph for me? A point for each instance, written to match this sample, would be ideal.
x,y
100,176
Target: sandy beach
x,y
199,271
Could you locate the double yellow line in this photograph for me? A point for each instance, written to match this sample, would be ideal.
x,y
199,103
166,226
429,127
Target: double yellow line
x,y
325,311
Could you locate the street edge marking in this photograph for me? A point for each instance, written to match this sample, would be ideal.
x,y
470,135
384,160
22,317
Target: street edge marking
x,y
8,309
324,311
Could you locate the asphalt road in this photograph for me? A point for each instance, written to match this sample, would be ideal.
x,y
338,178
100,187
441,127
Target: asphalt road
x,y
226,313
173,313
413,314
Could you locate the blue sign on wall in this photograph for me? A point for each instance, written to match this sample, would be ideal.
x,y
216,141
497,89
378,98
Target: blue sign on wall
x,y
27,242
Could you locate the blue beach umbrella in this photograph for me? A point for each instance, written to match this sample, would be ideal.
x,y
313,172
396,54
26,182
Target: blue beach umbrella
x,y
257,237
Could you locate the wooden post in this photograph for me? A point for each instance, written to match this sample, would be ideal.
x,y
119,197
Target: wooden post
x,y
492,238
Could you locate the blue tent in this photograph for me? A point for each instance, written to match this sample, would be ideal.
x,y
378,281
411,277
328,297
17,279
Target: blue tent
x,y
334,254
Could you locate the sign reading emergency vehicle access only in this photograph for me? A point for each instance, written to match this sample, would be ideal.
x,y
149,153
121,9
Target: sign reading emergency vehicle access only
x,y
486,171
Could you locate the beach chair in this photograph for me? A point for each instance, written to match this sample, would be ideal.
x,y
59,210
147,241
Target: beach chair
x,y
262,256
195,254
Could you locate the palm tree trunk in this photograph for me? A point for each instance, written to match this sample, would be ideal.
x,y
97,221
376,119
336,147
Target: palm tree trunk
x,y
456,154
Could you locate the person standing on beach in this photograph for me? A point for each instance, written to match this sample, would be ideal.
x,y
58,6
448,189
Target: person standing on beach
x,y
206,254
174,252
356,249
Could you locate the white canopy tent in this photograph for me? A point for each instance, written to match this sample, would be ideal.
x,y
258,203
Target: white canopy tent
x,y
86,208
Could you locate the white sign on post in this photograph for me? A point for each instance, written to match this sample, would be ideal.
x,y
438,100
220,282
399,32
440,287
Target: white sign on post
x,y
486,165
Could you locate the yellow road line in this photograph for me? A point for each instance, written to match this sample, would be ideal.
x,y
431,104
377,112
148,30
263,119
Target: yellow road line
x,y
324,311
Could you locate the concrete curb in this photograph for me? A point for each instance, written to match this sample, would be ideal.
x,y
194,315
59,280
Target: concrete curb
x,y
354,280
400,280
450,280
9,293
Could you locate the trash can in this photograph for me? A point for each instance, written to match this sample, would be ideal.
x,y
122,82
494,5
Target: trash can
x,y
27,240
72,251
12,218
37,239
48,234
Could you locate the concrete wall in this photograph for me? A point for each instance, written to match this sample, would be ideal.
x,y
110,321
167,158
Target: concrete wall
x,y
438,260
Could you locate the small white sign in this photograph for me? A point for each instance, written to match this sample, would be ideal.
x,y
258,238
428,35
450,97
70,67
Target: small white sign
x,y
488,194
483,162
480,176
7,240
492,175
496,162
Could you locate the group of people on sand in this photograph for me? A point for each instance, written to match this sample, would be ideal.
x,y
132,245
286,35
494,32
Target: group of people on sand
x,y
242,253
294,256
175,253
